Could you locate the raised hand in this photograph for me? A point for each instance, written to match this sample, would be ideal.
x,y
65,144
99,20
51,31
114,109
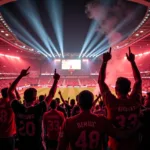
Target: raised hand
x,y
130,56
107,56
56,75
59,92
24,72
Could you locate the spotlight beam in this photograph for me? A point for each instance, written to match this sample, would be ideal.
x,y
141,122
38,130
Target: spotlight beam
x,y
97,47
95,40
54,8
89,36
25,32
118,27
34,20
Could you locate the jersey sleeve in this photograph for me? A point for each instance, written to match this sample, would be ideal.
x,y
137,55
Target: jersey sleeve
x,y
63,137
41,108
16,106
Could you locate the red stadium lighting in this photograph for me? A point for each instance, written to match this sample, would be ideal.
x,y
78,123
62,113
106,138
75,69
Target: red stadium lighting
x,y
9,56
140,55
146,53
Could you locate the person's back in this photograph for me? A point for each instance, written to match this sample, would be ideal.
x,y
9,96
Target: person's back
x,y
124,114
29,116
123,111
7,123
85,131
29,124
52,121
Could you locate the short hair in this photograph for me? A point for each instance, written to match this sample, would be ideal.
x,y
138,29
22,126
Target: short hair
x,y
53,104
123,85
86,100
30,94
4,92
57,100
41,98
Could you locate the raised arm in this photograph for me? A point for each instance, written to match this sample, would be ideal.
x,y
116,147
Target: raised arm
x,y
102,74
61,97
96,100
16,81
137,88
17,95
53,88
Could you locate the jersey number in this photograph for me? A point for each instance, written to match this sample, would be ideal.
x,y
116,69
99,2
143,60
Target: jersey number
x,y
53,125
27,129
3,116
129,121
90,140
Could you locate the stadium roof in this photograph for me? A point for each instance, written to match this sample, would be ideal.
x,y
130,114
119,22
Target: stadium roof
x,y
22,32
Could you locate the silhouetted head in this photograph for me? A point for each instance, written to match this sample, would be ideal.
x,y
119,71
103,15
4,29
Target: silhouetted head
x,y
101,104
41,98
53,104
72,102
123,86
58,101
30,95
4,92
86,100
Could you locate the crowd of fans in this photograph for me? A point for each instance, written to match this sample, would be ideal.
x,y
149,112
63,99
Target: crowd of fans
x,y
112,122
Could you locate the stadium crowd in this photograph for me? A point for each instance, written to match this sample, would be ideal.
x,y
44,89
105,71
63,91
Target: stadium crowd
x,y
115,122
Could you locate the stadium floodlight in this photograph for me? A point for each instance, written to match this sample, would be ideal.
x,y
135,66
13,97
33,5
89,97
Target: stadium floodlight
x,y
89,36
9,56
54,8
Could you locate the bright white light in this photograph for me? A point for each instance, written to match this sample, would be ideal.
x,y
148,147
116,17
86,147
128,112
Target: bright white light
x,y
2,31
57,60
137,34
7,34
8,56
146,53
141,31
85,60
68,64
140,55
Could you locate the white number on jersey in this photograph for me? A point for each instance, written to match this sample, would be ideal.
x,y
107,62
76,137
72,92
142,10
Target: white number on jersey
x,y
93,137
